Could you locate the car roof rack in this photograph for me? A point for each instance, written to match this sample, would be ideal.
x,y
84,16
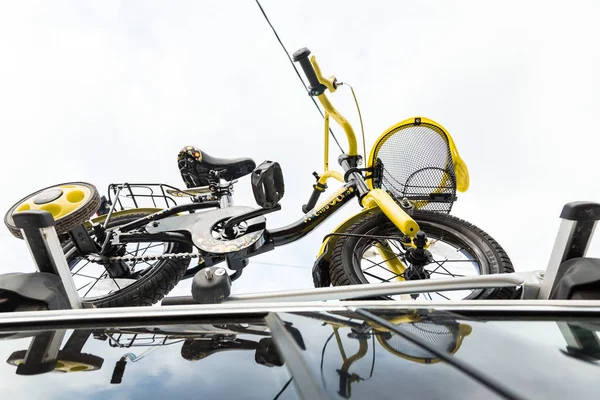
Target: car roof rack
x,y
56,290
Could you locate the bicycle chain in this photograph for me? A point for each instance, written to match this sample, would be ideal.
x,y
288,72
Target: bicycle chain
x,y
168,256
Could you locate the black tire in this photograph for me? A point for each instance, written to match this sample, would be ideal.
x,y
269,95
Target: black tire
x,y
64,224
152,286
491,258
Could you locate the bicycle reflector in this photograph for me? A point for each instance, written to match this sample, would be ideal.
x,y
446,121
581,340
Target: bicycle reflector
x,y
417,160
447,335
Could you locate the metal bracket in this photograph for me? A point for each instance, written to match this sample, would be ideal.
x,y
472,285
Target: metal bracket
x,y
574,235
82,240
41,357
47,253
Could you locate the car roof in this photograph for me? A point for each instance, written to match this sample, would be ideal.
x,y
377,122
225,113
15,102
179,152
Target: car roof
x,y
261,349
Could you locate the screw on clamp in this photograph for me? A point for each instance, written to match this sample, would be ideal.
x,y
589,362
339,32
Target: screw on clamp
x,y
208,274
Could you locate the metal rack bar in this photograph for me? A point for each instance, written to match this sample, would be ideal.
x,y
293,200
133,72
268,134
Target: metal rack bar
x,y
384,289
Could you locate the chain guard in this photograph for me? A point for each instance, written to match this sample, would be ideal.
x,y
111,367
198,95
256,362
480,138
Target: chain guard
x,y
203,227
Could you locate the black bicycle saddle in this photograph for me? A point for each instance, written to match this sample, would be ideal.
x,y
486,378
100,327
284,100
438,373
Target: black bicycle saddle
x,y
195,166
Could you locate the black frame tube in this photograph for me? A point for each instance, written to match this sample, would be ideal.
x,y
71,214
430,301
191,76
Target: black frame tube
x,y
310,221
138,223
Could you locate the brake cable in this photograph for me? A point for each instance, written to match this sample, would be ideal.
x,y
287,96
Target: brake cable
x,y
298,73
362,128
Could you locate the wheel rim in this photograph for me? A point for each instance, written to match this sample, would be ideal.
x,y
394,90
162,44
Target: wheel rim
x,y
92,280
60,200
454,255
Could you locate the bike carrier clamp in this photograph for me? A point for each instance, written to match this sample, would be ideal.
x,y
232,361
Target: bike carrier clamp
x,y
45,248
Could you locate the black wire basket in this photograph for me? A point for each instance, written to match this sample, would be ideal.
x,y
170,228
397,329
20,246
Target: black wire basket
x,y
414,162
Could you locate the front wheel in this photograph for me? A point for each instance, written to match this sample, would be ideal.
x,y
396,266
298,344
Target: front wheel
x,y
458,249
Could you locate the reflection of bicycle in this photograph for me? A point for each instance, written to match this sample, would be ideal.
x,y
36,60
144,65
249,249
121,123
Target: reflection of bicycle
x,y
198,342
44,355
439,330
136,256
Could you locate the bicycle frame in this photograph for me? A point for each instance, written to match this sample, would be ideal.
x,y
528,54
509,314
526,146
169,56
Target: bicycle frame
x,y
354,185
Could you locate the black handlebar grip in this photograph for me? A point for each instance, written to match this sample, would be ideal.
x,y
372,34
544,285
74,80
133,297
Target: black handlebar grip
x,y
312,202
316,88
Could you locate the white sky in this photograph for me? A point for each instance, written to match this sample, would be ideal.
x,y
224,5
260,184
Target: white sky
x,y
110,91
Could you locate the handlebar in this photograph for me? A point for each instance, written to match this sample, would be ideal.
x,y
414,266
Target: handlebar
x,y
318,84
316,88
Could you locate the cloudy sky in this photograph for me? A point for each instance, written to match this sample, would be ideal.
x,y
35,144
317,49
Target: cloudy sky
x,y
110,91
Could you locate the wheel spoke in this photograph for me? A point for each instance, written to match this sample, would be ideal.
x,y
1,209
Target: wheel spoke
x,y
134,252
396,246
439,294
90,289
395,276
81,267
135,262
442,267
379,263
374,276
384,268
87,276
137,249
89,283
449,274
436,268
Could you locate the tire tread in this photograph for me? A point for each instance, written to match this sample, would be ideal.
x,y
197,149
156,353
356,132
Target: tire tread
x,y
339,276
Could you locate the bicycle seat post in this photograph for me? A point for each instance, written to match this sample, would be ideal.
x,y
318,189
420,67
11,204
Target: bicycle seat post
x,y
222,190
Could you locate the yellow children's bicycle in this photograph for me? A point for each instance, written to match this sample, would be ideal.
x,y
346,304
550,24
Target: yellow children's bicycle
x,y
135,256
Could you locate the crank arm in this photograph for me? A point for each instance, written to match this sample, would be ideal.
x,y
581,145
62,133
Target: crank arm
x,y
233,221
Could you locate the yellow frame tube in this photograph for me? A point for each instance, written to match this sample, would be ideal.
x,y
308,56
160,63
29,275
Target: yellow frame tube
x,y
378,197
331,174
326,137
330,109
328,82
363,347
338,339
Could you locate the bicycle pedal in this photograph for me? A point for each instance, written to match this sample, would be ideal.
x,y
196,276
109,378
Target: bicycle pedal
x,y
267,184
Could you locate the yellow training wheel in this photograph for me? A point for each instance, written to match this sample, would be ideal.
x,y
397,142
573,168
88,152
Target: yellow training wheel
x,y
67,361
71,204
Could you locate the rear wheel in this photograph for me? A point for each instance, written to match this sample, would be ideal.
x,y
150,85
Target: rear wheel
x,y
458,249
146,283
